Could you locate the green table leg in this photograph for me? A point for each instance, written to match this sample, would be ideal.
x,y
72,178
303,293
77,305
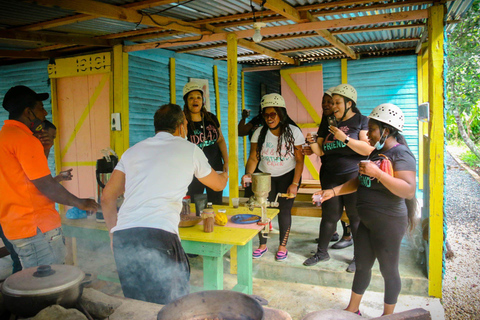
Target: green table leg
x,y
244,271
213,273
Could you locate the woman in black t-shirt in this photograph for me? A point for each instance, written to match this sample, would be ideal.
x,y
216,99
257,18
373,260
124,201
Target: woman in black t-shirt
x,y
386,204
342,145
204,131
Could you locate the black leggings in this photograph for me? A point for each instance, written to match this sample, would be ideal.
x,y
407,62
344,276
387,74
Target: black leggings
x,y
281,184
332,209
379,236
196,187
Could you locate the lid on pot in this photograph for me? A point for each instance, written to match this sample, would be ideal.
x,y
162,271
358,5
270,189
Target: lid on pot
x,y
43,280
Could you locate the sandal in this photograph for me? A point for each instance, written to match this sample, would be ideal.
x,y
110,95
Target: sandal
x,y
258,253
281,255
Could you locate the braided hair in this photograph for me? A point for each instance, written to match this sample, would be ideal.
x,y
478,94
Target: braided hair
x,y
285,136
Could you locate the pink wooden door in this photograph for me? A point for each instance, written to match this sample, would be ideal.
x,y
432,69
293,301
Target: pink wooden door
x,y
83,128
302,89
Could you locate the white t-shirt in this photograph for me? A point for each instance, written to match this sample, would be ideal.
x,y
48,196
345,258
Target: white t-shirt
x,y
270,161
158,171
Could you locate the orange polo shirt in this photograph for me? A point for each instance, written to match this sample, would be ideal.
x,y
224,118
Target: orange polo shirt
x,y
23,208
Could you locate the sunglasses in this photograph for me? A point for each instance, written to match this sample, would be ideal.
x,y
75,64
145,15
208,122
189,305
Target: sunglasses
x,y
270,115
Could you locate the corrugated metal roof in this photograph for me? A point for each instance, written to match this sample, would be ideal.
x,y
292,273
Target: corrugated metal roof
x,y
234,16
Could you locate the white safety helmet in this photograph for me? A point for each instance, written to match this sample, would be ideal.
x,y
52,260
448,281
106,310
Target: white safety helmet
x,y
329,91
272,100
347,91
390,114
192,86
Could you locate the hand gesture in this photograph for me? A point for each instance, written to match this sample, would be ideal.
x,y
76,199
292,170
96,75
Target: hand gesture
x,y
292,189
337,133
326,194
45,138
89,205
370,169
245,113
64,175
248,176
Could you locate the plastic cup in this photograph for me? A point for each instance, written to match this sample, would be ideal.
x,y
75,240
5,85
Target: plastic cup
x,y
247,181
235,202
317,198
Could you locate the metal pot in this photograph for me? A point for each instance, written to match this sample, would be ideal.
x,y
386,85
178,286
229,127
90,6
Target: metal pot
x,y
216,304
27,292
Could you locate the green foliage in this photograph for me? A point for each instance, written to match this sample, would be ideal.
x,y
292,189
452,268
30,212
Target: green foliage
x,y
470,158
463,74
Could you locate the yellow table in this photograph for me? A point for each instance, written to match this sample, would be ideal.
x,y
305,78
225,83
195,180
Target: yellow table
x,y
212,246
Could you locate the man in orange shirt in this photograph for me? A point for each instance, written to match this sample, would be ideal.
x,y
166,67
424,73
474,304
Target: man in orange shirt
x,y
27,205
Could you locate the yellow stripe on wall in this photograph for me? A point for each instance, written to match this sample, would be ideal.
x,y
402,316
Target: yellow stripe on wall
x,y
311,168
85,113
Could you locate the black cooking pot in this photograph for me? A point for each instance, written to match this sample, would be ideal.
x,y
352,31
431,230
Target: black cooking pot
x,y
216,304
29,291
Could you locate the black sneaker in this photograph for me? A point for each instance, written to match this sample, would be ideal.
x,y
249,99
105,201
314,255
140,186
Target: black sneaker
x,y
352,267
99,217
316,258
335,237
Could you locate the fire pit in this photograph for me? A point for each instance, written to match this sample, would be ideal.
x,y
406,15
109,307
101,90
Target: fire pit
x,y
213,305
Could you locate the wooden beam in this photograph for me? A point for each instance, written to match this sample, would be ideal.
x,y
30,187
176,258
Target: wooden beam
x,y
99,9
26,54
436,149
262,68
259,49
421,40
85,17
337,43
301,27
283,9
56,38
232,81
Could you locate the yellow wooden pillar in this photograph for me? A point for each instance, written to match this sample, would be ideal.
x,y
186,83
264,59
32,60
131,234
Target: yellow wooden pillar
x,y
232,115
217,93
120,139
436,147
245,158
173,89
344,71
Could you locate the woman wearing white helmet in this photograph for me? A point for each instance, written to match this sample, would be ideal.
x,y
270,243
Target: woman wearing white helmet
x,y
341,145
386,204
204,131
277,149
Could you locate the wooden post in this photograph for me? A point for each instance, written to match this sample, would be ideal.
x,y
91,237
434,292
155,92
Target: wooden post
x,y
232,115
217,93
245,157
437,139
344,71
119,140
173,93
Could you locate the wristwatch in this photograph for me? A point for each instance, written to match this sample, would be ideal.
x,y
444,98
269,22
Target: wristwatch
x,y
347,139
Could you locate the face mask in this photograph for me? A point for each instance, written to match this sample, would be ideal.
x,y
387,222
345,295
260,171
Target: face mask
x,y
36,125
380,143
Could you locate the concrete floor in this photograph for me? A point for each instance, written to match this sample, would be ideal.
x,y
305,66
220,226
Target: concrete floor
x,y
288,285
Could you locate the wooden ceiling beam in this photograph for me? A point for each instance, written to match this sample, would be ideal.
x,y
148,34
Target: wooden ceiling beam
x,y
99,9
26,54
293,28
85,17
286,10
262,50
56,38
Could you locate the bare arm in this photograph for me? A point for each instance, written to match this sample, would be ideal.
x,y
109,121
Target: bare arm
x,y
402,184
315,145
114,188
223,149
251,162
299,159
348,187
215,181
57,193
360,146
244,128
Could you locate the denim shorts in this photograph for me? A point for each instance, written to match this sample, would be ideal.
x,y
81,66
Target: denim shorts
x,y
43,248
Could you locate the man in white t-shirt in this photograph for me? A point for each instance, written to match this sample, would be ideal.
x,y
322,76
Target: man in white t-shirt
x,y
154,175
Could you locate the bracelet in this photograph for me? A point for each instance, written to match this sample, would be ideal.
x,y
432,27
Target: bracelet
x,y
380,178
334,194
295,183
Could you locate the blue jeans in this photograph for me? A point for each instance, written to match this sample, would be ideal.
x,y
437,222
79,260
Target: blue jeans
x,y
43,248
17,266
